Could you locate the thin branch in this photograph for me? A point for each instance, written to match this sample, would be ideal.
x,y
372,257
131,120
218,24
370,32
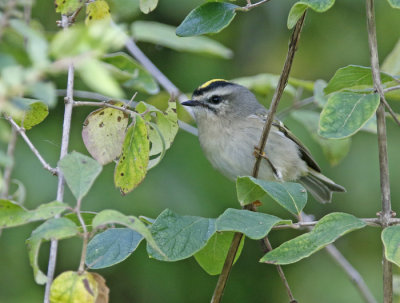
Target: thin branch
x,y
9,168
219,289
89,95
375,222
391,111
104,104
282,114
389,89
64,150
22,133
250,6
353,274
386,212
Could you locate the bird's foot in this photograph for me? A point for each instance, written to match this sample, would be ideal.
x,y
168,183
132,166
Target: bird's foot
x,y
262,154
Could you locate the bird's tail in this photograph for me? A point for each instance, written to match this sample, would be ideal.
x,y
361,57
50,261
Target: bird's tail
x,y
320,186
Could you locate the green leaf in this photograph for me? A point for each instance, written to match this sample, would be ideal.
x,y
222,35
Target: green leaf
x,y
263,84
391,64
299,8
79,172
210,17
13,214
179,237
73,287
164,35
36,43
97,10
394,3
67,7
35,111
95,75
334,150
103,133
291,196
131,73
57,229
146,6
354,77
132,165
45,91
114,217
254,225
327,230
319,95
391,241
87,42
212,256
345,113
111,247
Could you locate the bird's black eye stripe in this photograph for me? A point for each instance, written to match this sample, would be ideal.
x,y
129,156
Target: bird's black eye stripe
x,y
215,99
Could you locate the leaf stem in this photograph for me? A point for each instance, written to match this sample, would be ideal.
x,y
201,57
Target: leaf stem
x,y
22,133
81,268
250,6
386,213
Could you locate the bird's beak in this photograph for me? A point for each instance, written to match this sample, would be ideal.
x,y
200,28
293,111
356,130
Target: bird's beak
x,y
191,103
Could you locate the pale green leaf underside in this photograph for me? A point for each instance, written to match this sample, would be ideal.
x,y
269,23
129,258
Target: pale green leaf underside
x,y
299,8
354,77
391,240
164,35
327,230
212,256
345,113
146,6
394,3
58,229
13,214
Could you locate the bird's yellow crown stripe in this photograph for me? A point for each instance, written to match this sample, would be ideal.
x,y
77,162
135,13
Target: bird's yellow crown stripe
x,y
210,82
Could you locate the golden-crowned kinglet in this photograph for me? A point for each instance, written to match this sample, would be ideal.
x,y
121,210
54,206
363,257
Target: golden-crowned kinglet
x,y
230,121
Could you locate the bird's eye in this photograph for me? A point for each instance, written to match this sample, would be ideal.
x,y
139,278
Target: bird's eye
x,y
215,99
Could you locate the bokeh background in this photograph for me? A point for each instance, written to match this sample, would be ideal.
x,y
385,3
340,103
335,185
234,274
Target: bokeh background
x,y
186,183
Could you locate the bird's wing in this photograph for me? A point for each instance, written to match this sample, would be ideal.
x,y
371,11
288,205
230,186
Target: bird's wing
x,y
304,152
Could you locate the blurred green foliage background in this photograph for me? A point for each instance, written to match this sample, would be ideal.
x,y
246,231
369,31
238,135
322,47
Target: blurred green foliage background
x,y
186,183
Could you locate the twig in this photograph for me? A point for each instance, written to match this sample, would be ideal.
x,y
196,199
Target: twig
x,y
283,113
219,289
391,111
386,212
9,168
389,89
250,6
104,104
64,150
354,275
22,133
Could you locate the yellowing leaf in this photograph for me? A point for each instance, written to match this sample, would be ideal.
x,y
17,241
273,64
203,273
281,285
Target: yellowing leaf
x,y
72,287
146,6
97,10
67,7
132,165
103,133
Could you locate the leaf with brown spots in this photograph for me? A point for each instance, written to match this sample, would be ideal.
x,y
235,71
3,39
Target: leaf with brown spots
x,y
132,165
67,7
97,10
103,133
73,287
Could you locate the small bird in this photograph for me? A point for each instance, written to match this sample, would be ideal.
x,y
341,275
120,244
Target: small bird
x,y
230,121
